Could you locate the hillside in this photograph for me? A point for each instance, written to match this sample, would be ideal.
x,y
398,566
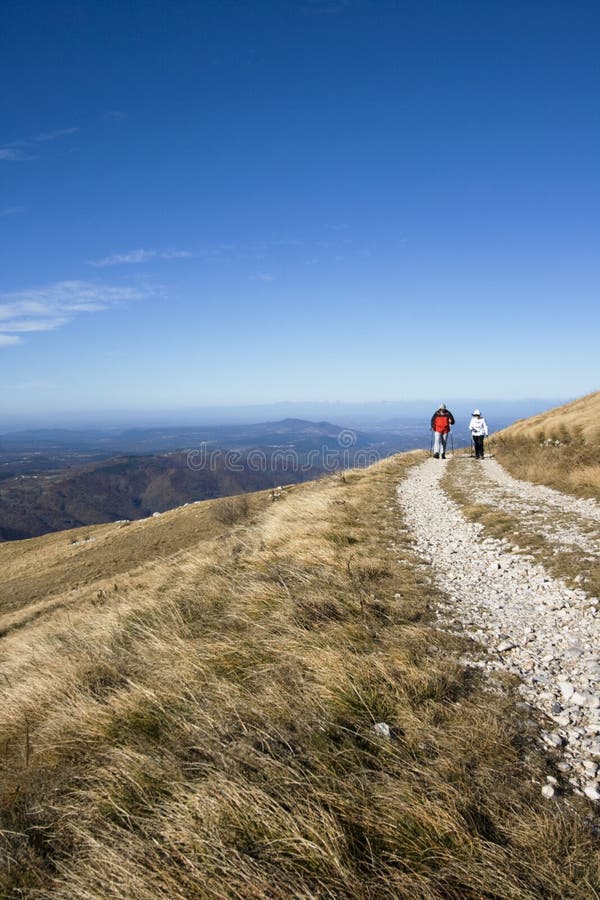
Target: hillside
x,y
251,697
130,487
557,448
578,419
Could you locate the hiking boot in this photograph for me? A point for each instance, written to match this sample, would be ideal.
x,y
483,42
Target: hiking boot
x,y
436,455
443,456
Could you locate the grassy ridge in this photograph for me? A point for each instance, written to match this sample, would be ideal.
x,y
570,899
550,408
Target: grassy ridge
x,y
558,448
202,725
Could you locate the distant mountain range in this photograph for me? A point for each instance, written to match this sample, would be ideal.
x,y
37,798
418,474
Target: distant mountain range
x,y
364,416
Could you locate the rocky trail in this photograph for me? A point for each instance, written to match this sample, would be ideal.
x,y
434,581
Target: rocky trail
x,y
531,624
569,522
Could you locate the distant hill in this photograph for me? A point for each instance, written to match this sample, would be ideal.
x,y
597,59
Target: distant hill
x,y
112,441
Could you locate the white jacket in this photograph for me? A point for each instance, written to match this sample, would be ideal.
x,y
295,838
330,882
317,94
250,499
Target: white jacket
x,y
478,426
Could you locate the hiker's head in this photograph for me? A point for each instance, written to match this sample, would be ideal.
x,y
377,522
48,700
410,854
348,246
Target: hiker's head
x,y
476,412
442,406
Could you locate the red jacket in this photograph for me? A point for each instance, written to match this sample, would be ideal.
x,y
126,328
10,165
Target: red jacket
x,y
441,421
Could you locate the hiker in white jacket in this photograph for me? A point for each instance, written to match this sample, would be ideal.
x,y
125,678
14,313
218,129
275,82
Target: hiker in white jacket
x,y
479,430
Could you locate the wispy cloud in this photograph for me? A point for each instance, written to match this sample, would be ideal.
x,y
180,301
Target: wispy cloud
x,y
16,151
11,210
263,253
53,135
114,114
176,254
14,154
117,259
48,308
138,256
32,324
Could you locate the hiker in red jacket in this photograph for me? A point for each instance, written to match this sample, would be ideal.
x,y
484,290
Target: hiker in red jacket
x,y
441,421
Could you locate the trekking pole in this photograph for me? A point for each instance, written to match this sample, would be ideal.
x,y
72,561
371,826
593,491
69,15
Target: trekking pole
x,y
452,443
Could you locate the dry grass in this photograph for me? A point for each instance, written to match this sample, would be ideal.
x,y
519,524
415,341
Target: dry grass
x,y
557,448
581,416
198,722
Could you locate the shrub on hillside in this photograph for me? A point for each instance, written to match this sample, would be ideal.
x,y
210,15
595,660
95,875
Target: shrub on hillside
x,y
231,510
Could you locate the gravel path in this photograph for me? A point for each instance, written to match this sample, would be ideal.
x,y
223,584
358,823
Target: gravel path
x,y
568,522
532,625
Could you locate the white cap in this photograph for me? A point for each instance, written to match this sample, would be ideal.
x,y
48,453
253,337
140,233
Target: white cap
x,y
476,412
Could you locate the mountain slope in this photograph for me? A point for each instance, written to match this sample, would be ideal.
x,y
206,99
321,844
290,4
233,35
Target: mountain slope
x,y
558,448
131,487
249,698
578,419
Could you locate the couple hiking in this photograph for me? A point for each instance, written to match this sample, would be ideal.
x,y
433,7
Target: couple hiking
x,y
441,422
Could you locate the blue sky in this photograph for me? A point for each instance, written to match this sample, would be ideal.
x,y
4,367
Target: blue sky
x,y
227,202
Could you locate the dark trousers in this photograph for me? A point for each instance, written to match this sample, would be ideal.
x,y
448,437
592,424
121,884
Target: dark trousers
x,y
478,441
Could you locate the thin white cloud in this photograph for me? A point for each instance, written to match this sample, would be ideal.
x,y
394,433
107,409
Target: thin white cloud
x,y
138,256
175,254
27,325
13,154
53,135
11,210
51,307
117,259
260,251
14,151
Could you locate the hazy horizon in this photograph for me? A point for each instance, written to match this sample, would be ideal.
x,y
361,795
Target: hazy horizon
x,y
372,412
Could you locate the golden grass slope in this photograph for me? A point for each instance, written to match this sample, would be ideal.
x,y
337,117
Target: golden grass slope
x,y
188,711
68,568
579,418
558,448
